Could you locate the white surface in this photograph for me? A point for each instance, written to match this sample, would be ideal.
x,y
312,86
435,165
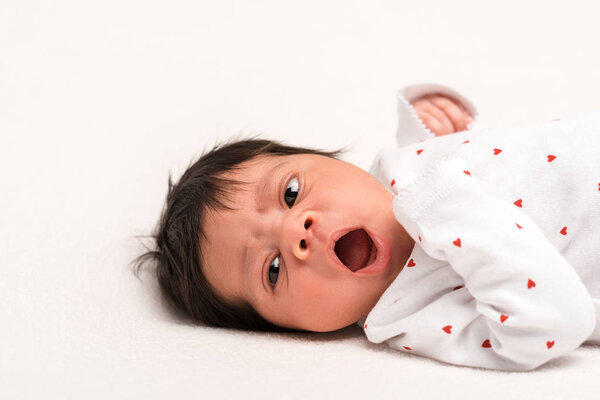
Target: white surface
x,y
99,101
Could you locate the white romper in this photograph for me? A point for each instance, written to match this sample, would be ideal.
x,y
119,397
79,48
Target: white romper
x,y
505,271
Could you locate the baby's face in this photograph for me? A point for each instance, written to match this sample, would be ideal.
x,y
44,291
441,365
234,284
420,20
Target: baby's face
x,y
281,259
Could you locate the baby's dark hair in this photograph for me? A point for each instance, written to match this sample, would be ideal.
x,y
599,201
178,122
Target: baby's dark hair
x,y
179,231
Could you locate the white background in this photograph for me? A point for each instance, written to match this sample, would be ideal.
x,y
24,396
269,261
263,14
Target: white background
x,y
100,100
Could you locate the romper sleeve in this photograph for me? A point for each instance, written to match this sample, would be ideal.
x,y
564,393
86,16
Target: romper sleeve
x,y
410,127
522,304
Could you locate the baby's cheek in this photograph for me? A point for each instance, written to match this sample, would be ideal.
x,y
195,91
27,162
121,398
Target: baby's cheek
x,y
327,305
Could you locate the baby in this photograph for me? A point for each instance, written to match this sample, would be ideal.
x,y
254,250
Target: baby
x,y
473,247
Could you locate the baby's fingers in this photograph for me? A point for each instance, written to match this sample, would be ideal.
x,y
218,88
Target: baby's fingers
x,y
433,116
455,111
434,124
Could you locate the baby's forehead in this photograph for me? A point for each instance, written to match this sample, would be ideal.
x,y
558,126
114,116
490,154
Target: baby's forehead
x,y
225,224
243,176
253,167
241,182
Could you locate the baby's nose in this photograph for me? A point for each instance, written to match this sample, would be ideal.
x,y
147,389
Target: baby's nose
x,y
307,225
303,246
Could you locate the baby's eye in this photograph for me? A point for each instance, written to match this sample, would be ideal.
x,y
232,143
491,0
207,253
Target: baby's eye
x,y
274,271
291,192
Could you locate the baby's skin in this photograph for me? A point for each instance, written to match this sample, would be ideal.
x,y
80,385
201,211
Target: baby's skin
x,y
443,115
275,249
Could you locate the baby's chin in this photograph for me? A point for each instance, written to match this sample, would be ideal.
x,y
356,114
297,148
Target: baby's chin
x,y
341,323
324,326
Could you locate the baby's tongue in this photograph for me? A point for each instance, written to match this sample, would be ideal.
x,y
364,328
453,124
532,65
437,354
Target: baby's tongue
x,y
353,249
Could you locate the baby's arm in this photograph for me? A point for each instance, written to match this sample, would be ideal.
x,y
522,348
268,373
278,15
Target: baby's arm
x,y
429,109
522,304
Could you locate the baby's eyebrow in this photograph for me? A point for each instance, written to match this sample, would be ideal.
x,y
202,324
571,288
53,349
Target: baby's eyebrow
x,y
264,183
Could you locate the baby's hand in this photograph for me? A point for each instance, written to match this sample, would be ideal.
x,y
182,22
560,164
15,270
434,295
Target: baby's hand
x,y
442,114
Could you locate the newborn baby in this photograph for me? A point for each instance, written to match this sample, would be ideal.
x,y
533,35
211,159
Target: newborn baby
x,y
472,247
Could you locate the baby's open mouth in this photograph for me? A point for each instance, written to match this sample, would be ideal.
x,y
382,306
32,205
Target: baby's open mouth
x,y
355,250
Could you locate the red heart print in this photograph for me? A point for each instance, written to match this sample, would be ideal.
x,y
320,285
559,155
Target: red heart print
x,y
497,151
457,242
467,172
530,284
551,158
419,238
447,328
466,141
549,344
599,187
503,318
411,263
518,226
366,326
519,203
393,182
563,230
486,344
419,151
407,348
